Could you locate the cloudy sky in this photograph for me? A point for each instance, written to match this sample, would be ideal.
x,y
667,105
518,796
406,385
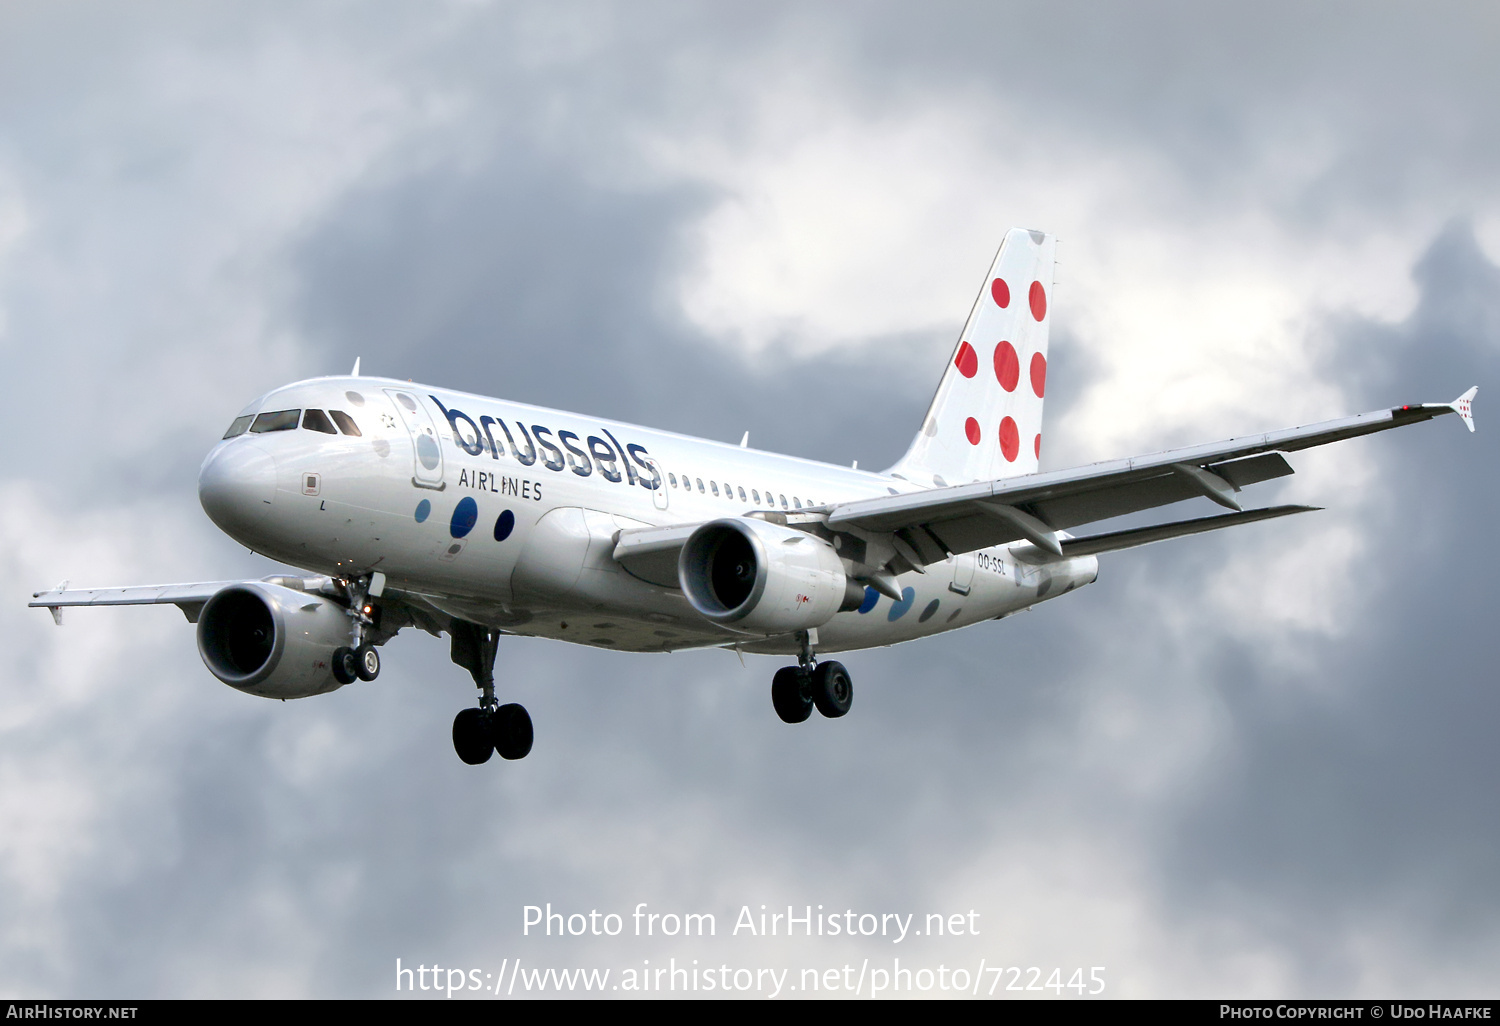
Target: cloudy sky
x,y
1256,763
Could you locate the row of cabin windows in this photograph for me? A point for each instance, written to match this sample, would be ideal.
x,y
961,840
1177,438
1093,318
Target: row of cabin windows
x,y
317,420
287,420
730,490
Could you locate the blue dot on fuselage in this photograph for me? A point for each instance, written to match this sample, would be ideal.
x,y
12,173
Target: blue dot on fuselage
x,y
871,597
504,524
898,609
464,516
423,509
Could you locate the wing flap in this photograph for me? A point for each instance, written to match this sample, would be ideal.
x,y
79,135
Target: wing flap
x,y
1116,540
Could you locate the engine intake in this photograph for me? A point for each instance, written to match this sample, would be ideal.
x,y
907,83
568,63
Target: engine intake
x,y
265,639
763,578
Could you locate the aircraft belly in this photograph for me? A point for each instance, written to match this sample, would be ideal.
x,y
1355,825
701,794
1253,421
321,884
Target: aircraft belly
x,y
1000,584
567,564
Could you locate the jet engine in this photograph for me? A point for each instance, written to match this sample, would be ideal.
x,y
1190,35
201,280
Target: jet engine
x,y
268,640
762,578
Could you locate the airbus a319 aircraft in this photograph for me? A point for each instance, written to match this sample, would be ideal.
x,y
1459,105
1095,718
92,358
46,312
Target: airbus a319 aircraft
x,y
413,506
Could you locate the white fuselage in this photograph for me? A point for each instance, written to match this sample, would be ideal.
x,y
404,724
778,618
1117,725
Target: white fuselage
x,y
506,514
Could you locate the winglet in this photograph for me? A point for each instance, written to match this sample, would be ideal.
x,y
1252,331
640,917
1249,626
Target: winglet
x,y
56,611
1464,407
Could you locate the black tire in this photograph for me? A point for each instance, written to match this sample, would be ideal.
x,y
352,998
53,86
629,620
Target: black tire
x,y
471,736
367,662
345,667
510,731
789,694
832,688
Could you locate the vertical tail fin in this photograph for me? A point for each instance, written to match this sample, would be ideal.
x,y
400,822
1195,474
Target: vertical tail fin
x,y
986,420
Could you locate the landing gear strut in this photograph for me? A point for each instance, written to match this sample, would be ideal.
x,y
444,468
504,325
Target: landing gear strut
x,y
795,690
477,733
360,660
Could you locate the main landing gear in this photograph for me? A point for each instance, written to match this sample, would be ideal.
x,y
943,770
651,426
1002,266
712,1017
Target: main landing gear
x,y
795,690
479,733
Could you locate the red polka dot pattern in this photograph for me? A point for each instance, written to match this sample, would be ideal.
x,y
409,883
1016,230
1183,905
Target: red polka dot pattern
x,y
1038,300
1039,375
1007,366
1010,440
967,361
971,428
1038,446
1000,291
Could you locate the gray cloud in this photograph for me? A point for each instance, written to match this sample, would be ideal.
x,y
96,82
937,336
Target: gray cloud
x,y
1207,812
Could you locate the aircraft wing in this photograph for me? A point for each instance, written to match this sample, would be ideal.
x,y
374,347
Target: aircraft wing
x,y
187,597
926,526
400,608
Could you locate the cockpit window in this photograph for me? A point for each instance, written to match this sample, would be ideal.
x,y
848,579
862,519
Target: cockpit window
x,y
345,422
239,426
281,420
317,420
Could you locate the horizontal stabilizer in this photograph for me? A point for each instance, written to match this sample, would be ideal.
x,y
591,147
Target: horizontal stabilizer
x,y
1097,543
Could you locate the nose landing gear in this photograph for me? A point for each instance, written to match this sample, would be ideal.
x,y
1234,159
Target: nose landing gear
x,y
359,663
492,727
796,690
360,660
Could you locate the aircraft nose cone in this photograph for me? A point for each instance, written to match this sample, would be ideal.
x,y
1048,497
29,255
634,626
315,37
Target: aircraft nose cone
x,y
237,485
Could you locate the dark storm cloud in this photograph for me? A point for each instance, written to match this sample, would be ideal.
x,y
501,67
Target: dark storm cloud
x,y
523,279
1382,792
519,249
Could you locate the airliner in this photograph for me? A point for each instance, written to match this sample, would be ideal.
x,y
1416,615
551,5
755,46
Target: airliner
x,y
404,505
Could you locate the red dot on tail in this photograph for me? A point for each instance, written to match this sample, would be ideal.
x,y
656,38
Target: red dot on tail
x,y
1038,300
1001,292
971,428
1038,446
1010,440
1007,366
967,361
1039,374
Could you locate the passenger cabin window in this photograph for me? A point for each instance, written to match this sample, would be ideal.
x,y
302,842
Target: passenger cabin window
x,y
317,420
345,422
281,420
783,502
240,426
742,494
673,479
715,486
700,484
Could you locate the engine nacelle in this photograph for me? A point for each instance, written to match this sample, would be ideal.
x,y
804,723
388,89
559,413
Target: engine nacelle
x,y
264,639
761,578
